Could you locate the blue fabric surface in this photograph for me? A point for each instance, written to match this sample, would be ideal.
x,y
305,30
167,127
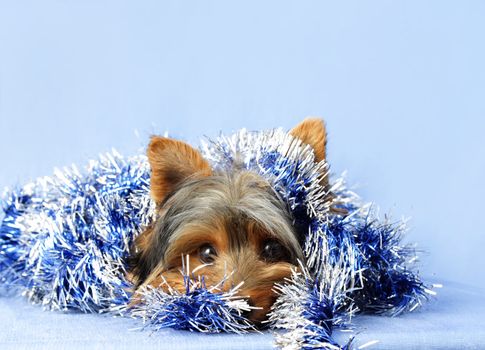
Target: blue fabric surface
x,y
454,320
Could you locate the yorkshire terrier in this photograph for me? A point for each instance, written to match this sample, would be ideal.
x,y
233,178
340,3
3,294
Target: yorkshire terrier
x,y
221,221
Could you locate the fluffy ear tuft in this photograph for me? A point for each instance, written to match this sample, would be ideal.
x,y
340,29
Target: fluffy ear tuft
x,y
311,131
172,162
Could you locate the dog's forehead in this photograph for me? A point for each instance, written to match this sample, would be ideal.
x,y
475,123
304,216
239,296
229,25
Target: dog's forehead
x,y
229,196
232,189
236,178
234,199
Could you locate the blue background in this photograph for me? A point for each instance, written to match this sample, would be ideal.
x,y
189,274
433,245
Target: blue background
x,y
400,84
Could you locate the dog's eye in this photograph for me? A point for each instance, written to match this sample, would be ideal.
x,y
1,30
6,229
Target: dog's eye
x,y
274,251
207,254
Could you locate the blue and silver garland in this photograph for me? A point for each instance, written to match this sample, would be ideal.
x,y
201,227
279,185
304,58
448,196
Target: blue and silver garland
x,y
65,239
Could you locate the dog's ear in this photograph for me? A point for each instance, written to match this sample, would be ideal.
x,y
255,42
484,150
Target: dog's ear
x,y
311,131
172,162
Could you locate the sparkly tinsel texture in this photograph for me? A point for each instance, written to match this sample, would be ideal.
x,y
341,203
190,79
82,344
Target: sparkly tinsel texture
x,y
65,239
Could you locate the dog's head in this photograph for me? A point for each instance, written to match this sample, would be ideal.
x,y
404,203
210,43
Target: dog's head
x,y
230,225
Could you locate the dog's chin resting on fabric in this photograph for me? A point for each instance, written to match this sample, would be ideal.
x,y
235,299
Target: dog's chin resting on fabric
x,y
223,225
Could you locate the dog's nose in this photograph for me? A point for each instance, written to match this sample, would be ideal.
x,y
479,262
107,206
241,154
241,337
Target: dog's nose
x,y
247,313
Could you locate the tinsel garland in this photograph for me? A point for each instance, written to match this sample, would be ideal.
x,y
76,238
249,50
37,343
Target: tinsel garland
x,y
65,239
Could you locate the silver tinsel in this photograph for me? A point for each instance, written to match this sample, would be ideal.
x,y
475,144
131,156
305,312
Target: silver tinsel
x,y
65,239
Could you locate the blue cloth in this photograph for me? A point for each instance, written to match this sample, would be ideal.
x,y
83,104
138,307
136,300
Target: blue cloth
x,y
455,319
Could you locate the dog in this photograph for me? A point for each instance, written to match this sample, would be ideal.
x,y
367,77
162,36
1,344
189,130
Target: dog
x,y
220,221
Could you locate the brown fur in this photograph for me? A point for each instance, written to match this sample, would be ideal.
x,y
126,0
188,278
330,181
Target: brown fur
x,y
312,132
171,161
241,265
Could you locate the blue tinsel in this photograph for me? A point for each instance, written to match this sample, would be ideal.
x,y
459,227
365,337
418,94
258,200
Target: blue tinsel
x,y
64,241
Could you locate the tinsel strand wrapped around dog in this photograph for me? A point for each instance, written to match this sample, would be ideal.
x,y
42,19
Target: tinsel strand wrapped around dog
x,y
65,240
